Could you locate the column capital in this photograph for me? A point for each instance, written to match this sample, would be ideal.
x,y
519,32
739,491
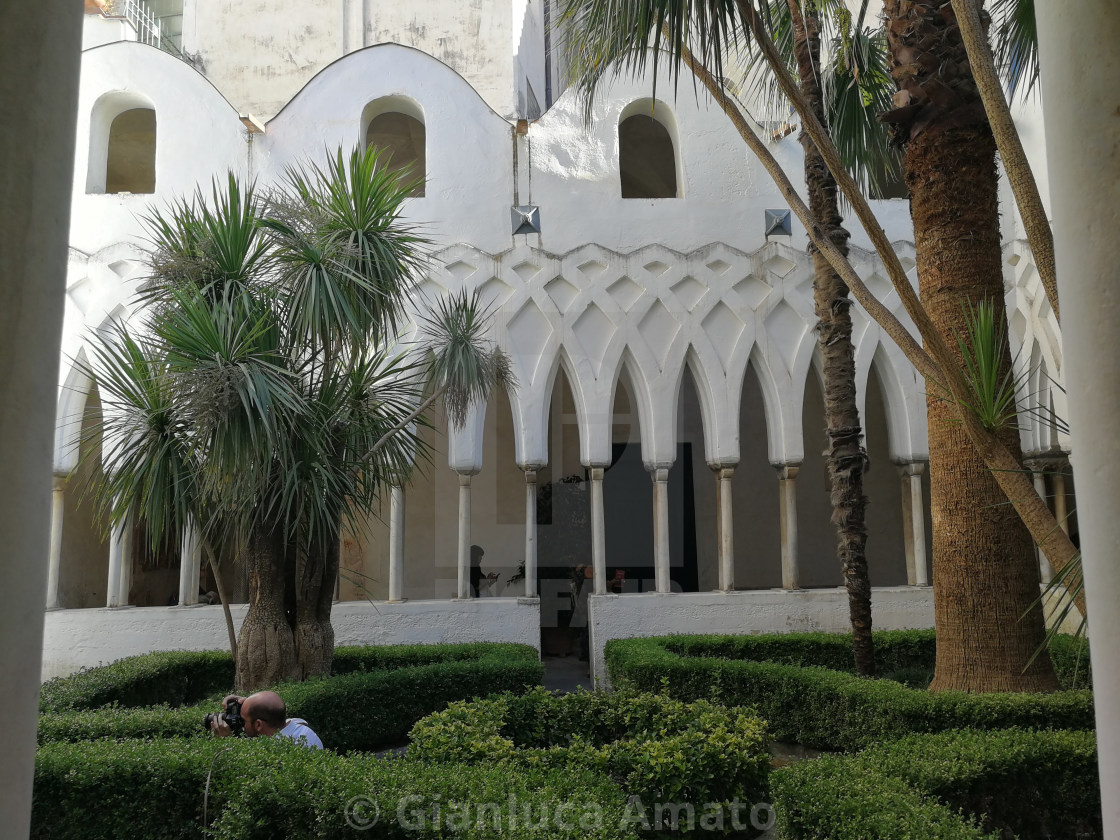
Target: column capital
x,y
530,474
595,473
660,474
912,468
465,478
58,481
787,471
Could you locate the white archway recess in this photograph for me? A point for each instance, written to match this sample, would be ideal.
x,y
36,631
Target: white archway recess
x,y
121,154
648,151
396,125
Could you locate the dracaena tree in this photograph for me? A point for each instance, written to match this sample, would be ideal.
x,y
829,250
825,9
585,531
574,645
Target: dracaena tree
x,y
261,395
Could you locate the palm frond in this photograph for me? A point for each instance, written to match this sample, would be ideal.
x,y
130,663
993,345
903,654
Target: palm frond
x,y
608,38
1015,40
462,364
991,380
148,467
855,79
208,244
347,264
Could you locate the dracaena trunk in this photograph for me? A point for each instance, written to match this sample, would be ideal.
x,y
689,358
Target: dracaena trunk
x,y
846,457
266,652
314,633
985,572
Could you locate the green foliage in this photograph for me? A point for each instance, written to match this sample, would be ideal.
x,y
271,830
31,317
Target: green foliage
x,y
368,710
263,388
833,709
658,749
176,678
377,695
266,788
1010,782
990,378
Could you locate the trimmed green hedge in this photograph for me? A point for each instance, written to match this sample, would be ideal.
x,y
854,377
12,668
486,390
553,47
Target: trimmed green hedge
x,y
824,708
374,703
952,785
176,677
367,710
658,749
265,788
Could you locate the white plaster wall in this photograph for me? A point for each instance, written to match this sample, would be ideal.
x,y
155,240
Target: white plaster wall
x,y
470,181
260,53
84,638
745,613
723,189
528,53
198,137
99,29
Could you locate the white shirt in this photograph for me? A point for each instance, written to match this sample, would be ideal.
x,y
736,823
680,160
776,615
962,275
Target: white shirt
x,y
298,730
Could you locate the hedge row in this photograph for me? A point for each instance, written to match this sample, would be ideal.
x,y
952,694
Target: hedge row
x,y
264,788
361,709
950,786
895,651
659,750
824,708
180,677
176,677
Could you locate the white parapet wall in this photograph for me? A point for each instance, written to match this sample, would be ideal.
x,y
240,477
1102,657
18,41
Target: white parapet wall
x,y
76,639
745,613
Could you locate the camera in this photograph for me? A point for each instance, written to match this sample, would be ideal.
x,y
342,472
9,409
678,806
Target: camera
x,y
231,716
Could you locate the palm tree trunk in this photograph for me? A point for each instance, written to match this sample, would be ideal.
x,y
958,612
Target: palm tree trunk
x,y
985,575
314,633
266,652
846,457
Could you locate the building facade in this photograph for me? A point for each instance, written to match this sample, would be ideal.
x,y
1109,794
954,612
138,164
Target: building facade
x,y
666,427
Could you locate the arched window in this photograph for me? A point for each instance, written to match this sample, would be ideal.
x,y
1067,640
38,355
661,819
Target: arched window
x,y
122,154
130,165
647,158
396,125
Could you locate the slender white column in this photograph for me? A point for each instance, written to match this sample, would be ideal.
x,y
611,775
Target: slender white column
x,y
598,532
40,50
464,563
1061,505
660,477
907,527
124,587
1045,573
530,533
726,524
787,511
1082,139
396,543
116,560
190,554
54,567
916,523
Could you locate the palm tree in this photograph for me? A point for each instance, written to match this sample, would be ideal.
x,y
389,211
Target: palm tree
x,y
699,35
261,395
797,28
843,95
985,571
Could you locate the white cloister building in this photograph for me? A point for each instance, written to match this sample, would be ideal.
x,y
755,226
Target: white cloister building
x,y
667,422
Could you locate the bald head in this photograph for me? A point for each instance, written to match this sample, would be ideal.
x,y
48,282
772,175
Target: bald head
x,y
267,707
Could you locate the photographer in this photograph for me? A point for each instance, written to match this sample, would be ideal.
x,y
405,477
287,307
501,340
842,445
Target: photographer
x,y
262,713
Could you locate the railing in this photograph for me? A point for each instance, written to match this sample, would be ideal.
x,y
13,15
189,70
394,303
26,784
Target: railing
x,y
149,28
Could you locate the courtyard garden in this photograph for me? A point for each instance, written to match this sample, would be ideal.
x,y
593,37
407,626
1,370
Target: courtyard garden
x,y
460,740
